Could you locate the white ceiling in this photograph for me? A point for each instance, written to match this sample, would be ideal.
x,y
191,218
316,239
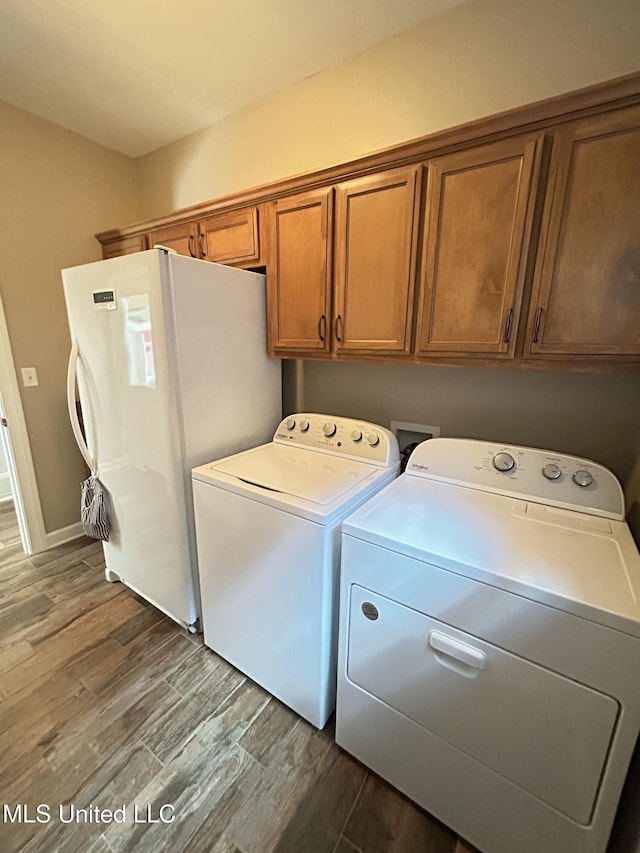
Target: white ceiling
x,y
137,74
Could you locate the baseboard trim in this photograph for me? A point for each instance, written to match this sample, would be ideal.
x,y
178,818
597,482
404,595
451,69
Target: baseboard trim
x,y
64,534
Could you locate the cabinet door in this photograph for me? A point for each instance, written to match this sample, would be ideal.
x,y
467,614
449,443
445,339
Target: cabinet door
x,y
182,238
375,262
586,291
476,237
125,246
230,238
299,287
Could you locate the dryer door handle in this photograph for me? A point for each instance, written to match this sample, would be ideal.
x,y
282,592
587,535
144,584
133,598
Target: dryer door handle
x,y
456,649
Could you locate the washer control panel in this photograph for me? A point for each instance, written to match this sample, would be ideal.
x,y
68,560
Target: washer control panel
x,y
340,436
523,472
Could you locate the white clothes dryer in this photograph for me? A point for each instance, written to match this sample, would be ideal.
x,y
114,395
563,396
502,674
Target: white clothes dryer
x,y
489,654
268,524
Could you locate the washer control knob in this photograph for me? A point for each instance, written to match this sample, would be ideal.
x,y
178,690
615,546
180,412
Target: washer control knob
x,y
304,426
504,462
291,423
552,471
329,429
373,440
582,478
356,435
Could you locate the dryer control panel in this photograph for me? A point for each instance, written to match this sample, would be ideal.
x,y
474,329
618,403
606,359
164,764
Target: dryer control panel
x,y
527,473
341,437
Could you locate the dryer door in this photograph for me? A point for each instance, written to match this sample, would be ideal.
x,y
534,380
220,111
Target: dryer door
x,y
545,733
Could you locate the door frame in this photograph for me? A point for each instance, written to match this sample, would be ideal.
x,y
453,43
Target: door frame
x,y
19,460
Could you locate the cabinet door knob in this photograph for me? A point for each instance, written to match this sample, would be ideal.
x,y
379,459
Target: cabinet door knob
x,y
322,327
507,325
338,328
536,328
203,244
192,246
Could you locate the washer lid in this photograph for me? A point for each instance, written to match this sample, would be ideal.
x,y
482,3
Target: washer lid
x,y
299,472
571,560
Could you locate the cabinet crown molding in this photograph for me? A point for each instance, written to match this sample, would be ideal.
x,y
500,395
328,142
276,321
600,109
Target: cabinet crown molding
x,y
619,92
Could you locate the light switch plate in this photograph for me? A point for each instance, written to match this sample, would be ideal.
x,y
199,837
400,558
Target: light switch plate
x,y
29,376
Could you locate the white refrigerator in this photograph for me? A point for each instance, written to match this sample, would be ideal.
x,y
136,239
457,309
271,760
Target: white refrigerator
x,y
170,359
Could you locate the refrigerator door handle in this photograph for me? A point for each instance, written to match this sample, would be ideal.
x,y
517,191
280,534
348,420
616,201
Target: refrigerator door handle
x,y
71,403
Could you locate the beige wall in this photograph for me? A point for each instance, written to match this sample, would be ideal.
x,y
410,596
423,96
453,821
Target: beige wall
x,y
592,415
632,496
477,59
57,190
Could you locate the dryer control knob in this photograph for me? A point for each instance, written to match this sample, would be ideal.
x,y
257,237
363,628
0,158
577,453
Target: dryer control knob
x,y
551,471
291,423
356,435
504,462
373,440
304,426
582,478
329,429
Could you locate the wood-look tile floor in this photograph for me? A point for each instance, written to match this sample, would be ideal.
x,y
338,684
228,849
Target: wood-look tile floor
x,y
105,702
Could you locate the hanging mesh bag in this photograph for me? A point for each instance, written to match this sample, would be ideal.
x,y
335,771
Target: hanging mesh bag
x,y
93,509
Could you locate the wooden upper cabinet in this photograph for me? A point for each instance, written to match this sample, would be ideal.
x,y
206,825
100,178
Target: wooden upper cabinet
x,y
299,281
525,250
375,261
476,237
586,292
182,238
125,246
230,238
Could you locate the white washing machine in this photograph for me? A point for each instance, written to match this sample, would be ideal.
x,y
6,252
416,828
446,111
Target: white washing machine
x,y
268,534
489,655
